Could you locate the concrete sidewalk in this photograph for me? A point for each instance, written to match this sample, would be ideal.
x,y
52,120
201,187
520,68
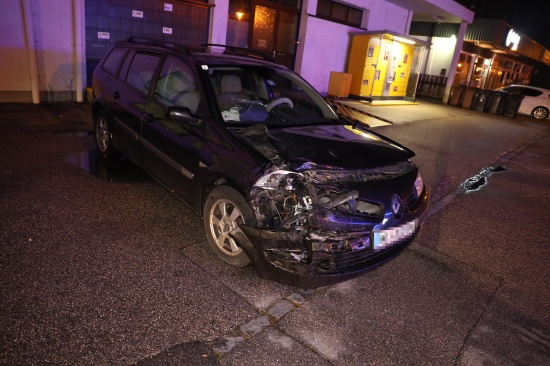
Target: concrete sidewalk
x,y
385,113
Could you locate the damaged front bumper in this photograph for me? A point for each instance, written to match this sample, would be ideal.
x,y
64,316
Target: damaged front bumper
x,y
320,258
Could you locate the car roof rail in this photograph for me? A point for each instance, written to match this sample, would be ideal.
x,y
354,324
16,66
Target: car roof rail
x,y
158,42
241,51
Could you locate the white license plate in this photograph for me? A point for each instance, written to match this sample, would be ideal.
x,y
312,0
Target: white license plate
x,y
383,239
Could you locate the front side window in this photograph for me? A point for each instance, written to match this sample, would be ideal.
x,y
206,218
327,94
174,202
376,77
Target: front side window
x,y
274,97
176,85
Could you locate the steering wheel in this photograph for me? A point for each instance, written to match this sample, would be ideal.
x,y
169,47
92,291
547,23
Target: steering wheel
x,y
276,102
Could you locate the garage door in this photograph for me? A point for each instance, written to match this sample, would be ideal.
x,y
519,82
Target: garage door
x,y
108,21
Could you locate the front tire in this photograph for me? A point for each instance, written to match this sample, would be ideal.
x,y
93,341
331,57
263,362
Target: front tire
x,y
540,113
224,210
103,135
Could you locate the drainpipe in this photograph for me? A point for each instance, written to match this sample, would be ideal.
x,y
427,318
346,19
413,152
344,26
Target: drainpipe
x,y
26,14
454,62
77,49
409,21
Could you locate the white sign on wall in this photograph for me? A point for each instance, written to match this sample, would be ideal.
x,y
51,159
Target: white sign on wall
x,y
513,39
166,30
137,13
168,7
103,35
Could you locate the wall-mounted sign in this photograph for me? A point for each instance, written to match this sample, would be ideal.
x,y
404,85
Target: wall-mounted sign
x,y
103,35
512,40
166,30
137,13
168,7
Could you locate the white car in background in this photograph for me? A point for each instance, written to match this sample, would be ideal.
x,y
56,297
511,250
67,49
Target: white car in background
x,y
536,101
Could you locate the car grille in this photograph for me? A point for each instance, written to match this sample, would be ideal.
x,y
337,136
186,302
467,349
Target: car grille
x,y
349,260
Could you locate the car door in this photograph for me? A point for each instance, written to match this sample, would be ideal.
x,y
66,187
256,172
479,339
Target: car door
x,y
175,150
128,98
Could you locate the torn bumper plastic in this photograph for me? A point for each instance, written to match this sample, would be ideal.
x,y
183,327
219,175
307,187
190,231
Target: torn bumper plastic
x,y
321,258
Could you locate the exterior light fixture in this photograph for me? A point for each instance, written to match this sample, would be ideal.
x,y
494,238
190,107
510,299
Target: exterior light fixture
x,y
399,39
239,15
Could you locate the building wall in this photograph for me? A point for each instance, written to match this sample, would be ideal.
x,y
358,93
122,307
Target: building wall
x,y
59,41
324,45
15,81
52,30
440,56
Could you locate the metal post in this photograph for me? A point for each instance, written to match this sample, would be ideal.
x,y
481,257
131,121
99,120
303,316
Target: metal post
x,y
454,62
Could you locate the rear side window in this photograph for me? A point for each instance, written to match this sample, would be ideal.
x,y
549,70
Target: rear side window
x,y
141,71
532,92
113,61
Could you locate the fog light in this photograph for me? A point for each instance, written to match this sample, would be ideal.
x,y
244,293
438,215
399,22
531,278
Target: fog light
x,y
418,185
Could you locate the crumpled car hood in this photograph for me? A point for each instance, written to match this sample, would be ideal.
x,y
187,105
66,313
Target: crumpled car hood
x,y
335,146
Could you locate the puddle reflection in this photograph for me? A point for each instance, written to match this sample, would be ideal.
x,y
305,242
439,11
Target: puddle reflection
x,y
117,169
480,180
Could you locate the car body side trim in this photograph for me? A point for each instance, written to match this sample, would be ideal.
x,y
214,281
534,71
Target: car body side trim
x,y
167,159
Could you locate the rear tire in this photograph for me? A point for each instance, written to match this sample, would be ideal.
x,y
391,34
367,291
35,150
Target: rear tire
x,y
540,113
103,134
224,210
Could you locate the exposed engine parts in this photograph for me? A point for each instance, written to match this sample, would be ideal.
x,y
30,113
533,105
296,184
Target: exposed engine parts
x,y
313,219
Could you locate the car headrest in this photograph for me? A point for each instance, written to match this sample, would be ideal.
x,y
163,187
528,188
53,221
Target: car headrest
x,y
230,84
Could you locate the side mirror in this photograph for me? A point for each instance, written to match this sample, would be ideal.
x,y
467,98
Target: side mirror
x,y
182,115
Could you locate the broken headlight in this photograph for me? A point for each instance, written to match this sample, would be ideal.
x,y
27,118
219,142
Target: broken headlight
x,y
279,179
279,199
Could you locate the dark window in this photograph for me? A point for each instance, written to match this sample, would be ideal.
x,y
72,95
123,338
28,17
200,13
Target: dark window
x,y
355,16
141,71
339,13
323,8
532,92
112,62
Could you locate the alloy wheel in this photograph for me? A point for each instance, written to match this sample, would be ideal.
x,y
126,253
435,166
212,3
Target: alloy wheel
x,y
224,218
540,113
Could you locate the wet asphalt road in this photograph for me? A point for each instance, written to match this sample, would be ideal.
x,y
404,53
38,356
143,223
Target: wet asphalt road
x,y
99,265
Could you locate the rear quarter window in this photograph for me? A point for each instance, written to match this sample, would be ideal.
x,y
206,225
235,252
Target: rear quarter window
x,y
532,92
113,60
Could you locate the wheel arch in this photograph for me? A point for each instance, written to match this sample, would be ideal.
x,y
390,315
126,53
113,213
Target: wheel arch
x,y
98,104
212,182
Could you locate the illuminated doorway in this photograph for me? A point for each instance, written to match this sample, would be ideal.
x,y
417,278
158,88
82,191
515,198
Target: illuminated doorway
x,y
268,26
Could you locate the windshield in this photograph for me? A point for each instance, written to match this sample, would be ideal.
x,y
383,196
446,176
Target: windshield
x,y
249,95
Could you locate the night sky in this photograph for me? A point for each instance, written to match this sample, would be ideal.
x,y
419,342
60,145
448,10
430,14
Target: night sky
x,y
531,17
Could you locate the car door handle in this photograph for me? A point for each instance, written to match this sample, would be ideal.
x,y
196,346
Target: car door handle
x,y
116,95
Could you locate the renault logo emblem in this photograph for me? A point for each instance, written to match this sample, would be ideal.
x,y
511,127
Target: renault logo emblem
x,y
396,206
